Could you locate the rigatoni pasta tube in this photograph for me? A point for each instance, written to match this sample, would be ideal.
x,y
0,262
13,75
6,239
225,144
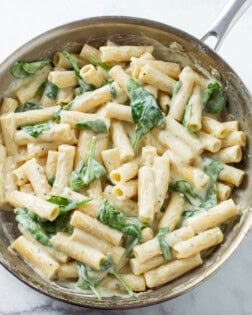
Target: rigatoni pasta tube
x,y
181,132
20,175
164,100
121,141
83,253
150,75
120,76
139,268
209,142
161,172
40,149
119,112
177,146
234,138
173,212
36,175
44,209
214,127
91,208
136,283
91,75
2,170
179,100
90,100
171,271
60,60
8,125
10,182
65,96
147,250
36,116
39,258
63,79
231,126
147,234
128,207
64,168
95,189
89,51
146,194
61,133
229,155
8,105
111,159
73,117
27,188
51,164
83,146
148,154
122,53
223,191
198,243
96,228
170,69
67,271
125,172
213,217
196,104
231,175
124,191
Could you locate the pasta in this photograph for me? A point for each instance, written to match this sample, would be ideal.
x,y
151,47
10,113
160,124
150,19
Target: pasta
x,y
118,167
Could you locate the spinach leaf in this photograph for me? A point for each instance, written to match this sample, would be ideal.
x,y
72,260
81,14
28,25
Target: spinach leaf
x,y
84,87
223,227
51,90
88,172
97,125
131,226
26,69
66,204
30,223
40,230
36,130
186,119
27,106
90,278
51,181
144,109
214,98
48,88
187,190
164,246
98,63
113,91
212,168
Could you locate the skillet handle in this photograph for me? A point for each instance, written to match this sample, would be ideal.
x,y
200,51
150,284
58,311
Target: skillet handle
x,y
229,15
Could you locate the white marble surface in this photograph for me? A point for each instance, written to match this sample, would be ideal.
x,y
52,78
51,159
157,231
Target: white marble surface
x,y
229,290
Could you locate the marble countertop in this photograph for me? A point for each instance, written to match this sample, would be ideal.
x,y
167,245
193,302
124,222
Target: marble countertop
x,y
229,290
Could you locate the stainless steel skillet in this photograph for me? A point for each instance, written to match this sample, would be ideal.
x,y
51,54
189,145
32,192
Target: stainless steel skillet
x,y
126,30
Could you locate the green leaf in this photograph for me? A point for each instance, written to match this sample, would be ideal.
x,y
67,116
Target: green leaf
x,y
144,109
164,246
89,278
98,63
224,227
88,172
66,204
36,130
131,226
27,106
84,87
26,69
187,190
97,125
214,98
41,230
51,90
30,224
186,120
113,91
212,168
51,181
